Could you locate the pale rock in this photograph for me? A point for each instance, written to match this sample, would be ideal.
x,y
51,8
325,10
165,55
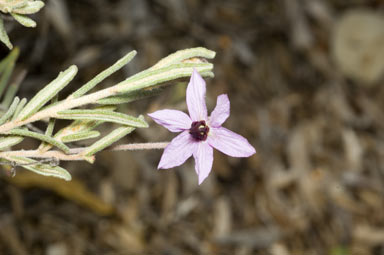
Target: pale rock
x,y
358,45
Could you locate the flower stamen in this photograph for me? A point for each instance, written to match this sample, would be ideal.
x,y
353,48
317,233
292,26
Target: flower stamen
x,y
199,130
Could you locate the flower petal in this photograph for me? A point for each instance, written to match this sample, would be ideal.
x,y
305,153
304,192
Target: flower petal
x,y
196,97
173,120
203,160
221,111
230,143
178,151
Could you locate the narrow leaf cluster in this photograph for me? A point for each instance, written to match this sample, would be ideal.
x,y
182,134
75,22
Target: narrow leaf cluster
x,y
18,9
87,108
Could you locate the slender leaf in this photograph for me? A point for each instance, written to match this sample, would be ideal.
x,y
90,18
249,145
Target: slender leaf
x,y
29,8
12,56
48,132
104,74
51,122
11,110
9,5
12,89
23,20
40,168
9,141
19,108
3,63
40,137
47,93
107,140
183,55
76,127
8,68
102,115
130,97
4,36
153,77
50,127
207,74
80,136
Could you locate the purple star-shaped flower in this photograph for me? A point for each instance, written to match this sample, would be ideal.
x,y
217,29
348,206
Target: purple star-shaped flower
x,y
199,133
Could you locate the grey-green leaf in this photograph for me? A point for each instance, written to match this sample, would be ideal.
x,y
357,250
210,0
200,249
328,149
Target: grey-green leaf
x,y
4,36
107,140
153,77
8,5
29,8
48,132
50,127
104,74
23,20
183,55
76,127
19,108
130,97
11,110
80,136
7,68
41,137
9,141
47,93
102,115
42,169
12,89
52,121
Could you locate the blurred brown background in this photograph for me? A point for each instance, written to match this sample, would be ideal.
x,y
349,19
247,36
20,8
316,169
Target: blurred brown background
x,y
305,82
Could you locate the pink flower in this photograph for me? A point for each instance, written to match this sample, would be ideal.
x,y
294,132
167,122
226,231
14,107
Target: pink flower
x,y
199,133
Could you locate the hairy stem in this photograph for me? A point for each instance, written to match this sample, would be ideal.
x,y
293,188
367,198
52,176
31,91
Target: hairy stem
x,y
37,154
139,146
74,153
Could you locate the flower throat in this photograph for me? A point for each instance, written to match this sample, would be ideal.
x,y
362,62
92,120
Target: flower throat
x,y
199,130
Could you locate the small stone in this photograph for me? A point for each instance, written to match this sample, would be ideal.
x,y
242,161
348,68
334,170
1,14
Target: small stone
x,y
57,249
358,45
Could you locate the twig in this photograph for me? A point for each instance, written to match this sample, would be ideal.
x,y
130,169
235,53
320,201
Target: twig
x,y
128,147
75,153
139,146
38,154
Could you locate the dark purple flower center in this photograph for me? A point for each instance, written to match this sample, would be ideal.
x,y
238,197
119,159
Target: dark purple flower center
x,y
199,130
